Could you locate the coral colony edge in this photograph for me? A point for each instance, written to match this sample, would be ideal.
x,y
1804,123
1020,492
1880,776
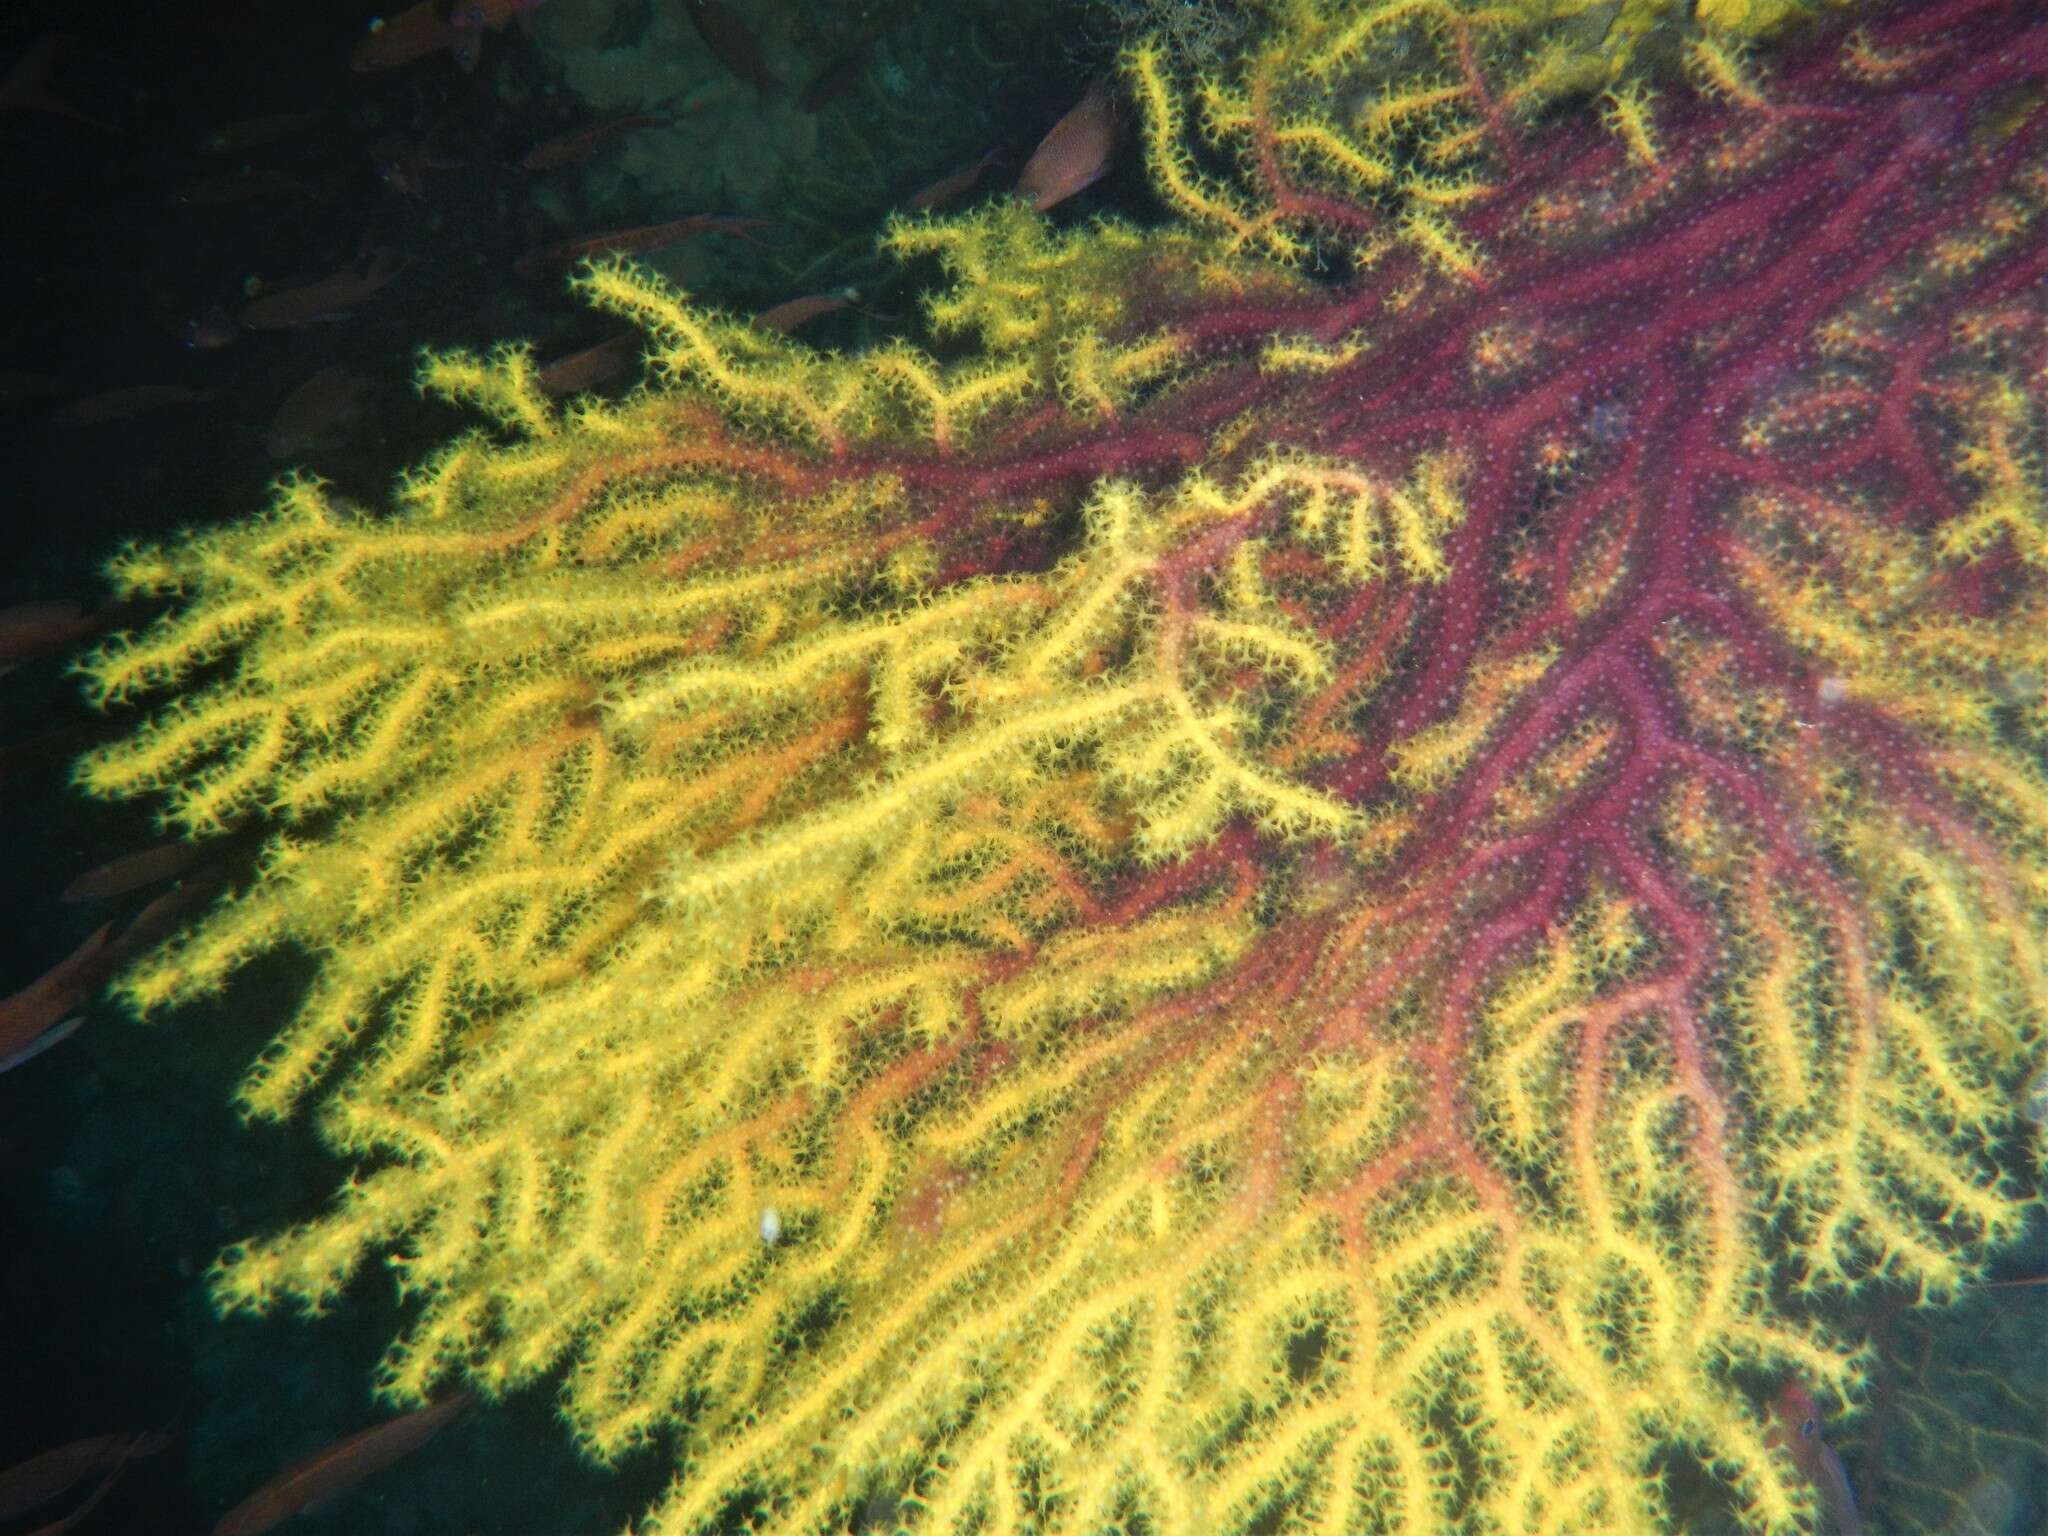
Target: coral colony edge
x,y
1343,872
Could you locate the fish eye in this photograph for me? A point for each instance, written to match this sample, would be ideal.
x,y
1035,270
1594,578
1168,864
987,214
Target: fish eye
x,y
1806,1429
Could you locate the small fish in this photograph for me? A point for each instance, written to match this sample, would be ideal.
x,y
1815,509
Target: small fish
x,y
318,412
132,871
165,912
119,404
54,1036
413,33
338,1467
26,85
1076,154
49,749
631,242
791,313
592,366
35,630
733,43
32,630
402,162
430,26
18,386
1796,1426
208,329
324,299
954,185
42,1478
838,77
38,1016
254,132
248,185
579,144
466,36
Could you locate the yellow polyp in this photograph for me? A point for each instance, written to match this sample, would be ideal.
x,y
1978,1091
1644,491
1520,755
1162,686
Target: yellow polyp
x,y
1192,194
1628,115
1101,378
1440,242
1346,40
1724,69
1338,155
1434,754
1302,354
1382,115
505,386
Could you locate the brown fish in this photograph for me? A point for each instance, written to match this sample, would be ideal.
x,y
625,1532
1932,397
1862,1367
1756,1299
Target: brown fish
x,y
119,404
579,144
430,26
337,1467
413,33
165,912
592,366
631,242
733,43
30,631
42,1007
1076,154
324,299
791,313
33,630
132,871
248,185
954,185
1796,1430
40,1478
19,385
317,412
838,77
26,86
254,132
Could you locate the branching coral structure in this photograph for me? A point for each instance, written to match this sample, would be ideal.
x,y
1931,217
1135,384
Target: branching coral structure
x,y
1325,877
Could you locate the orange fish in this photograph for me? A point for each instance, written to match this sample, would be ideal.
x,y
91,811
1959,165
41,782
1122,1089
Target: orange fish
x,y
631,242
592,366
432,25
120,404
26,86
954,185
318,412
579,144
338,1467
1076,154
1796,1426
328,298
132,871
791,313
32,630
36,630
37,1017
733,44
249,133
42,1478
247,185
838,77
